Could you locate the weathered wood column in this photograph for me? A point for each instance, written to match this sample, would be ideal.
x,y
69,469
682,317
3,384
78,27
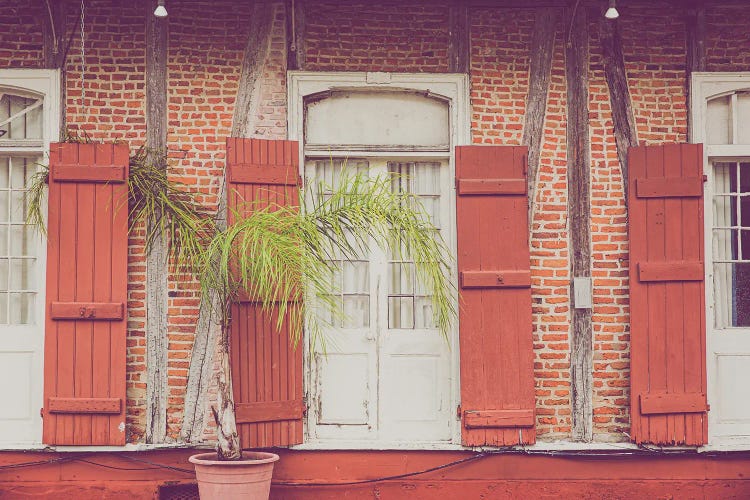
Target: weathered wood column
x,y
540,66
619,94
243,124
579,225
157,260
459,50
53,32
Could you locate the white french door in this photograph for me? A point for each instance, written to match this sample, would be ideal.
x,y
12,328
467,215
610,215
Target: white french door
x,y
21,271
729,333
385,374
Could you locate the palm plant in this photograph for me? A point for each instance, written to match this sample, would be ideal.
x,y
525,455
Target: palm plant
x,y
280,255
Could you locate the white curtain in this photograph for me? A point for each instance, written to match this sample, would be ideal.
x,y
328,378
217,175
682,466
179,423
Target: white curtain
x,y
722,245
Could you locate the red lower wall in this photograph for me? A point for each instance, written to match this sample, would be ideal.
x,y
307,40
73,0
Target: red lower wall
x,y
509,475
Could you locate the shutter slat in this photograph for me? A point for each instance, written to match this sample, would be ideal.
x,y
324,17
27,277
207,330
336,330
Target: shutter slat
x,y
498,418
670,271
491,187
497,385
267,370
667,305
87,310
669,187
656,403
84,405
495,279
273,411
85,330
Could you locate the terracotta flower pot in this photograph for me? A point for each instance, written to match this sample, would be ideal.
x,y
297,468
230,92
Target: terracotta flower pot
x,y
249,478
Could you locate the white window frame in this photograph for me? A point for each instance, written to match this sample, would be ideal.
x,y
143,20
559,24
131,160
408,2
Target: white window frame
x,y
45,83
705,86
452,87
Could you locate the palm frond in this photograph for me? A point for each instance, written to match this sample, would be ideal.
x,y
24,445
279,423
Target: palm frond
x,y
167,209
277,254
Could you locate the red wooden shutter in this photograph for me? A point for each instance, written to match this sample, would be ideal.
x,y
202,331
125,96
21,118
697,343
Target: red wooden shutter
x,y
667,305
497,371
87,276
267,370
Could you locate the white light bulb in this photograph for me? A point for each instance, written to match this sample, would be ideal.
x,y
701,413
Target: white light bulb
x,y
160,11
612,10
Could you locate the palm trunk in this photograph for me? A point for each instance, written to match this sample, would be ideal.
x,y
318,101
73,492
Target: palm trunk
x,y
228,445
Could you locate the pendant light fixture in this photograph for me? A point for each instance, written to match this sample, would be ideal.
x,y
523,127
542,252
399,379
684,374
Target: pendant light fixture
x,y
612,11
160,11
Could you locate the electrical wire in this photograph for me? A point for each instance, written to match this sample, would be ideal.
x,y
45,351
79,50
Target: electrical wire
x,y
388,478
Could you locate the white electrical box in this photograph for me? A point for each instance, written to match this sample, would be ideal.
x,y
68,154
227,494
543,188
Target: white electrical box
x,y
582,293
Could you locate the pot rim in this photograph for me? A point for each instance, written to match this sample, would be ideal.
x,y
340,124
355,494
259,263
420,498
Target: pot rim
x,y
205,459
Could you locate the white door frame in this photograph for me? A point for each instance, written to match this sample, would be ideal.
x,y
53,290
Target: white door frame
x,y
454,88
704,86
44,83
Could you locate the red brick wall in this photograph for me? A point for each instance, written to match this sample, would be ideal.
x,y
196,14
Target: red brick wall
x,y
206,41
21,35
376,36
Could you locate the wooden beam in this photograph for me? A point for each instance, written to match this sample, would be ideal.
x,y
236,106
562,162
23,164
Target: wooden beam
x,y
295,34
579,226
696,40
540,66
207,328
695,27
53,33
157,341
459,50
256,52
54,27
626,135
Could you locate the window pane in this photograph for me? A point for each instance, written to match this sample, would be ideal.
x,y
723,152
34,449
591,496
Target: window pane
x,y
402,278
356,311
356,277
21,240
27,123
718,123
725,177
423,314
400,312
21,307
3,308
21,274
724,244
4,172
732,294
743,118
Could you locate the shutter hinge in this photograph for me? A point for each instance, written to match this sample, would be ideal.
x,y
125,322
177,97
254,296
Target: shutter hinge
x,y
41,412
458,412
705,178
304,406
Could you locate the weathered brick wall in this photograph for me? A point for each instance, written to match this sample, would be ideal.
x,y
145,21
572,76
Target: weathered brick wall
x,y
376,36
21,38
206,41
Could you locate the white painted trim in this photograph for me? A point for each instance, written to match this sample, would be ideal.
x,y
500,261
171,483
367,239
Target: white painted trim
x,y
44,83
704,86
452,87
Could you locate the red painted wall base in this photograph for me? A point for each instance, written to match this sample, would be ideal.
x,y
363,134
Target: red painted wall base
x,y
299,475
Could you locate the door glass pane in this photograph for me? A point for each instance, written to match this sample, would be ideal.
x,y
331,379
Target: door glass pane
x,y
731,244
409,304
349,279
18,242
